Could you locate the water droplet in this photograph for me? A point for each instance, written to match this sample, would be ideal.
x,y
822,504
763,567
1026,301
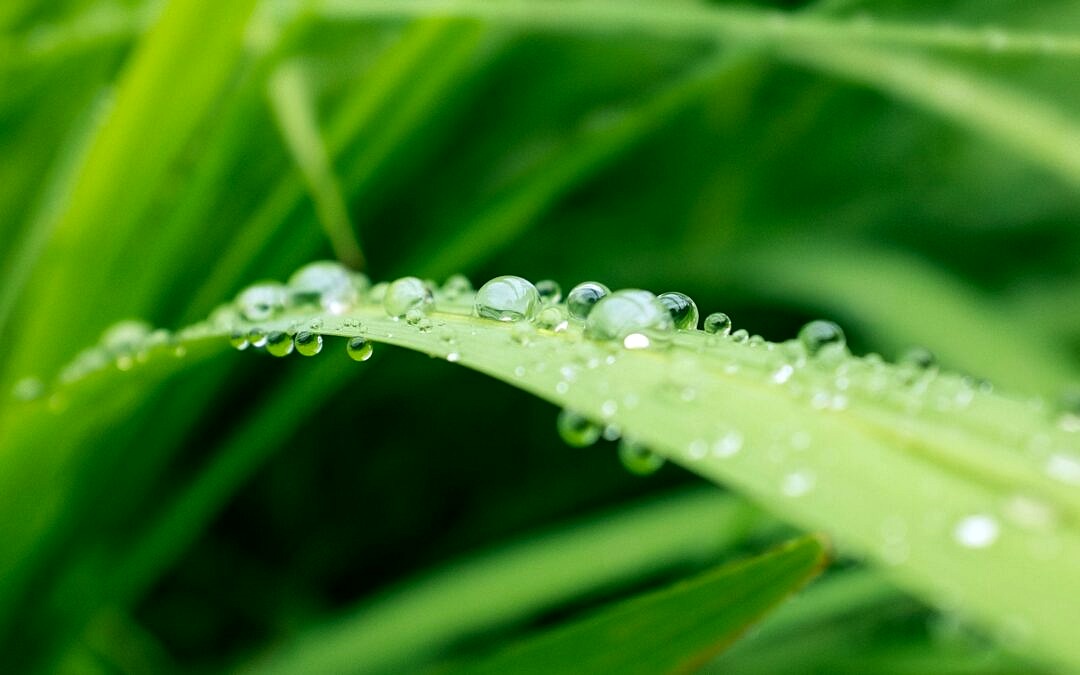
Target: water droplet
x,y
257,338
326,284
976,531
262,301
717,323
359,349
125,336
507,298
405,294
550,291
740,336
797,483
1064,467
239,340
636,341
279,343
819,336
727,445
638,459
683,310
453,357
625,312
576,430
307,343
552,318
522,333
608,408
581,298
414,316
456,287
783,373
919,358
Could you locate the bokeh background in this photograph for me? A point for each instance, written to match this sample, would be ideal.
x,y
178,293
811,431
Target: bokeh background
x,y
157,157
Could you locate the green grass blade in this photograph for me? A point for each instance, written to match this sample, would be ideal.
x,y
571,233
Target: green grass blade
x,y
677,629
408,626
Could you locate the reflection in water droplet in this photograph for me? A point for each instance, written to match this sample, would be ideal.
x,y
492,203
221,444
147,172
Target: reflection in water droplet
x,y
238,339
582,298
359,349
576,430
638,459
817,336
976,531
550,291
717,323
683,310
326,284
307,343
508,298
279,344
262,301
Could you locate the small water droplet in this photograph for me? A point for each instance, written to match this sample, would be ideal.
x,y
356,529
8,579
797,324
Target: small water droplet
x,y
783,373
522,333
581,298
821,336
507,298
453,357
307,343
414,316
550,291
404,294
740,336
28,389
552,318
717,323
239,340
681,307
797,483
608,408
638,459
918,358
1064,467
456,287
257,338
576,430
279,343
626,312
359,349
976,531
262,301
727,445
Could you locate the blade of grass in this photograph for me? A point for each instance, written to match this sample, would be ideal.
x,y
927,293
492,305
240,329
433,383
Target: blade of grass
x,y
676,629
421,618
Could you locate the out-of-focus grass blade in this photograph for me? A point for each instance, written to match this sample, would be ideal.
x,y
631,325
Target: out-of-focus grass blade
x,y
677,629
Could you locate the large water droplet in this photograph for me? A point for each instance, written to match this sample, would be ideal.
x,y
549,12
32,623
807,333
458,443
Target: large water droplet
x,y
262,301
576,430
405,294
819,336
976,531
638,459
279,343
629,312
683,310
717,323
581,298
326,284
359,349
507,298
307,343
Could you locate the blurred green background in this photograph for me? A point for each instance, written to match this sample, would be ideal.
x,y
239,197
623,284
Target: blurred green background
x,y
157,157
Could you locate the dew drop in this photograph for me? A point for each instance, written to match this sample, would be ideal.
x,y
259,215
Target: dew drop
x,y
456,287
307,343
797,484
552,318
717,323
453,357
740,336
257,338
683,310
262,301
550,291
326,284
359,349
976,531
576,430
507,298
1064,467
405,294
581,298
919,358
279,343
817,336
727,445
626,312
414,316
239,340
638,459
125,336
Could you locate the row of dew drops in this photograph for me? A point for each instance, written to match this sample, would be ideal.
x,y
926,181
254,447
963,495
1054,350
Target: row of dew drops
x,y
630,319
